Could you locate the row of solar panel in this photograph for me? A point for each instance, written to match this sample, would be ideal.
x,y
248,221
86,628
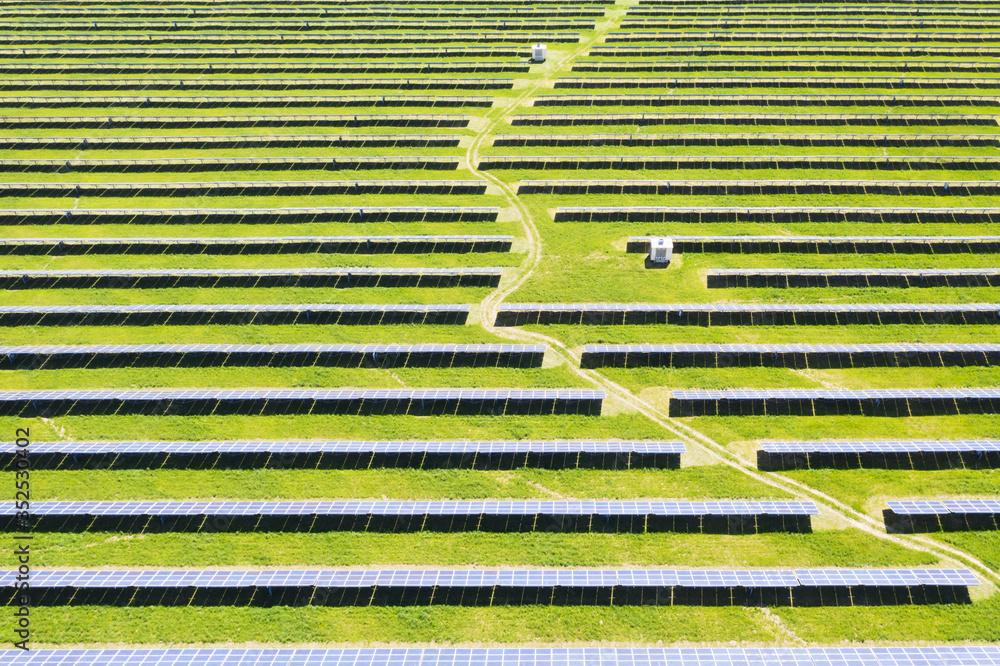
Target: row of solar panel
x,y
942,516
249,141
203,164
615,162
732,518
909,50
258,245
789,36
813,402
208,356
302,25
227,102
322,314
250,44
756,82
732,314
310,83
772,456
802,356
209,122
753,119
803,587
288,67
919,455
610,455
782,278
338,278
637,140
305,12
823,244
419,402
693,314
777,214
692,99
723,187
258,188
519,656
902,66
336,214
738,12
776,21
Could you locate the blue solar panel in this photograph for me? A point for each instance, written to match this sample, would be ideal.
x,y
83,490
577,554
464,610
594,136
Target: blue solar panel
x,y
106,579
291,446
950,655
418,508
913,507
887,446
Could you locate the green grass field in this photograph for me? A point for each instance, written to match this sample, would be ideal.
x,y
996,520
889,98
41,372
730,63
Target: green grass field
x,y
550,262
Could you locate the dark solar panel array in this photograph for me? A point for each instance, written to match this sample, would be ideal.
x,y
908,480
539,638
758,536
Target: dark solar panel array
x,y
823,244
743,187
264,84
212,164
736,139
752,100
688,66
594,82
208,278
231,315
338,214
748,314
913,454
726,517
242,122
232,102
247,141
798,356
860,36
415,402
497,587
183,315
778,214
720,162
319,25
942,516
949,655
811,50
207,355
309,67
785,278
757,119
349,455
812,402
243,245
245,188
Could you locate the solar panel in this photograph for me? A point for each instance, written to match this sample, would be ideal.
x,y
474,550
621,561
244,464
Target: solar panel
x,y
825,244
292,120
764,100
61,188
910,516
497,586
349,355
721,517
744,314
350,455
945,655
183,315
807,402
240,216
752,119
914,454
853,277
303,401
758,187
900,354
252,278
770,214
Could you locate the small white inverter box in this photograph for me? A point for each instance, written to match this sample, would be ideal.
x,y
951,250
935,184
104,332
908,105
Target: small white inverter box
x,y
661,250
538,52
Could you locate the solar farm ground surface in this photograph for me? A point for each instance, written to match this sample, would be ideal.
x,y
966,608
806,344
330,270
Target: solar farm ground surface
x,y
550,262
